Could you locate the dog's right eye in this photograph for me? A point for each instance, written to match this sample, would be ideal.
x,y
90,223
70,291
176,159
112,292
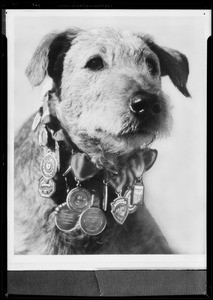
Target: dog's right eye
x,y
95,64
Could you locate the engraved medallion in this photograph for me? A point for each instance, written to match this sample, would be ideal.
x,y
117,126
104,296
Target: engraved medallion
x,y
92,221
79,199
46,187
137,194
65,219
119,209
49,166
43,137
36,121
128,195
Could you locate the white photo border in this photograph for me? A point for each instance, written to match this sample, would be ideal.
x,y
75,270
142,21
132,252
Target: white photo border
x,y
83,262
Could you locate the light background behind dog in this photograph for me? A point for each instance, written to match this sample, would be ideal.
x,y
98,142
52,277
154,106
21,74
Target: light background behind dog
x,y
175,186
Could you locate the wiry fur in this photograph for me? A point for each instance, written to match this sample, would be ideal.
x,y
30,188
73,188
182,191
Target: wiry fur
x,y
93,109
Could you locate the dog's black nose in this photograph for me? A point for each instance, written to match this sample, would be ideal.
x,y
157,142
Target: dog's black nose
x,y
145,104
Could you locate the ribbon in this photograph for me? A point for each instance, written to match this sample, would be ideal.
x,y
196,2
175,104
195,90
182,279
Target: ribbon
x,y
82,167
138,163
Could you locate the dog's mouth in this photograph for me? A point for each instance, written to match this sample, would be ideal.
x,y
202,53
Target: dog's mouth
x,y
136,126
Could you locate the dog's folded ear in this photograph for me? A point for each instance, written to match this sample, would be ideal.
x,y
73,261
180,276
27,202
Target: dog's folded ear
x,y
49,55
172,63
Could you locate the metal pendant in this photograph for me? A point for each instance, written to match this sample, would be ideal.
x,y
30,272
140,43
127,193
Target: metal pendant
x,y
43,137
92,221
46,187
128,195
57,155
105,195
137,194
36,121
79,199
49,165
120,209
65,219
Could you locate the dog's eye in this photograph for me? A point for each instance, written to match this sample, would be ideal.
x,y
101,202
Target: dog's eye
x,y
152,65
95,63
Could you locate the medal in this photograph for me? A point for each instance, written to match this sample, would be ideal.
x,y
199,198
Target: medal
x,y
57,155
36,121
79,199
65,219
137,194
43,137
120,209
92,221
128,195
49,165
46,187
105,191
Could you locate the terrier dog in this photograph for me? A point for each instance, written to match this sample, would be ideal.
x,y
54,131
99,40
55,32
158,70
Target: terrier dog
x,y
78,173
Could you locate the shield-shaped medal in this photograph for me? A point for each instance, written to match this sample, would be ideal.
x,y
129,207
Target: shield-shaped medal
x,y
120,209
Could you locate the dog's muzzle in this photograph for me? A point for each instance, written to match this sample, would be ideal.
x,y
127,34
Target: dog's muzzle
x,y
145,104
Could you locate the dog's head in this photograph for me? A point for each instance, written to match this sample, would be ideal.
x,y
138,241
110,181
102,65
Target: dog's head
x,y
108,84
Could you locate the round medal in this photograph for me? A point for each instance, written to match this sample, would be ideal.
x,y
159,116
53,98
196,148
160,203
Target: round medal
x,y
46,187
79,199
92,221
49,166
128,195
65,219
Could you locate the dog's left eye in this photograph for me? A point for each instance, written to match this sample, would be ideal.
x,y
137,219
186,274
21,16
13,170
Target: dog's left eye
x,y
95,63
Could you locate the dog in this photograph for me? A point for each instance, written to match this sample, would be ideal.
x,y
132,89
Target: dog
x,y
97,122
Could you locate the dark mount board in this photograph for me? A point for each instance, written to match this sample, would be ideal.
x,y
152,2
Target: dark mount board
x,y
107,283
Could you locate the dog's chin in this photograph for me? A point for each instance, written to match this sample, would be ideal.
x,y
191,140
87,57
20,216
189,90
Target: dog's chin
x,y
111,149
134,136
156,126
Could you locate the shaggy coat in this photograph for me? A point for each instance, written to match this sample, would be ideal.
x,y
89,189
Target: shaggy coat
x,y
95,75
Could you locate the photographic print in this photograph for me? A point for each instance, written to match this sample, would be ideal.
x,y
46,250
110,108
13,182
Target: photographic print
x,y
107,139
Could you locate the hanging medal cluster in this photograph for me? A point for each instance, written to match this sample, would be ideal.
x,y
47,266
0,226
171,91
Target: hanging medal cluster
x,y
50,163
82,209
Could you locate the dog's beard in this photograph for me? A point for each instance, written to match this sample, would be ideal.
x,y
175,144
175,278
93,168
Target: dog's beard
x,y
110,150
